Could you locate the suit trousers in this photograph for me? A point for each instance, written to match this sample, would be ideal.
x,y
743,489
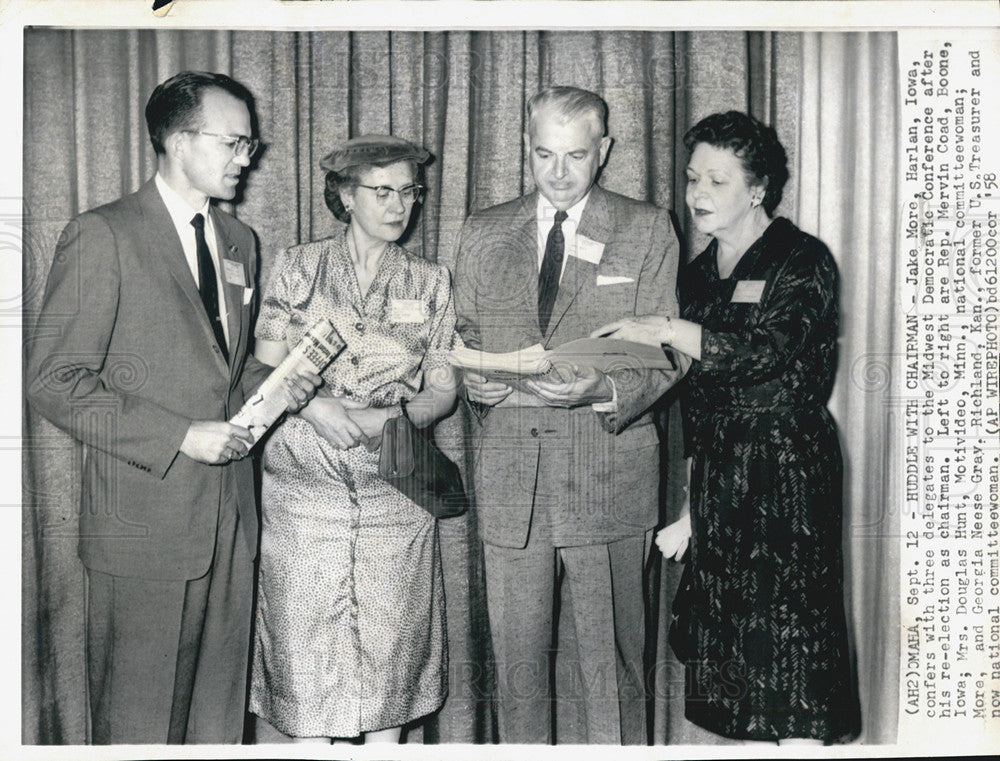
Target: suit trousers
x,y
167,660
605,584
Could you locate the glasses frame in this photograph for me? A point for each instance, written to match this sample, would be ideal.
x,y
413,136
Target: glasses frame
x,y
250,145
415,188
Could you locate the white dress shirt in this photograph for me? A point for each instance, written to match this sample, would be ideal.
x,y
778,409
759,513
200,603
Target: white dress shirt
x,y
181,213
546,216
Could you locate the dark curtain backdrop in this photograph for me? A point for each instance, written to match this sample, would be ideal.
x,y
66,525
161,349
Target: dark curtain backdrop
x,y
462,95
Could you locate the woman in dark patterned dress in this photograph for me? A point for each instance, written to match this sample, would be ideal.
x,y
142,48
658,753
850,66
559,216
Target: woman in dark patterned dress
x,y
759,616
350,631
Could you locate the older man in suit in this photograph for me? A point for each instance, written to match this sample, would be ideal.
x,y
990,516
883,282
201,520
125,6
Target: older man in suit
x,y
566,472
141,354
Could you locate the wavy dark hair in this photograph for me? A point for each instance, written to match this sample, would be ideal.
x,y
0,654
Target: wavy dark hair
x,y
348,180
176,103
756,145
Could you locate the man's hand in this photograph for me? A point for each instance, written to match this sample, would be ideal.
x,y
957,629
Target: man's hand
x,y
300,388
329,415
574,386
215,442
487,392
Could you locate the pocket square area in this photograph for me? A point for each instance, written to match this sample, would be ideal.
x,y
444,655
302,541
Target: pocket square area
x,y
613,279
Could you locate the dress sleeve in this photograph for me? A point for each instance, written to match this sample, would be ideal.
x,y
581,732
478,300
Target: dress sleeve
x,y
803,300
275,308
442,332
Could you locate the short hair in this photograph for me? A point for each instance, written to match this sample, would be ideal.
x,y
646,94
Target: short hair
x,y
756,145
570,103
176,103
348,180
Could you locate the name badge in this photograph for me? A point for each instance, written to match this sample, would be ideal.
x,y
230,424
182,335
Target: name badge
x,y
748,291
588,250
234,273
406,310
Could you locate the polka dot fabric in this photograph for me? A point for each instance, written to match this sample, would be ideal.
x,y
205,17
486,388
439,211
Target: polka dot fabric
x,y
350,633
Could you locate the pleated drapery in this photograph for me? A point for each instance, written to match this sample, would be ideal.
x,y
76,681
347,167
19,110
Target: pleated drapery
x,y
462,95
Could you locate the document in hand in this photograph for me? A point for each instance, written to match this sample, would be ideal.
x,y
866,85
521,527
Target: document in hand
x,y
314,352
604,354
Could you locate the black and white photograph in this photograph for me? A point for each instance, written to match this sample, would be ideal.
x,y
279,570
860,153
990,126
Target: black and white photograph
x,y
508,379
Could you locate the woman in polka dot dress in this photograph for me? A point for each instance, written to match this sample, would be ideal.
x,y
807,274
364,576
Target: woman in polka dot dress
x,y
350,630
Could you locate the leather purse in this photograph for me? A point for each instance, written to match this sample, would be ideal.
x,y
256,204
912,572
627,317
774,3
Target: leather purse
x,y
411,463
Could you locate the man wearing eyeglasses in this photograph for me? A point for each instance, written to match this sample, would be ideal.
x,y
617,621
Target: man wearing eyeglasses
x,y
141,355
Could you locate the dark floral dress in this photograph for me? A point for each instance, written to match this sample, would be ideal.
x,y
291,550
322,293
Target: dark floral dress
x,y
759,616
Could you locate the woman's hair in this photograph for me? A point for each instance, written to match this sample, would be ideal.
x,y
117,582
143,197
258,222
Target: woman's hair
x,y
348,180
756,145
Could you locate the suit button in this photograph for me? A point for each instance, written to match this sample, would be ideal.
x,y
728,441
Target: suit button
x,y
534,432
360,327
355,361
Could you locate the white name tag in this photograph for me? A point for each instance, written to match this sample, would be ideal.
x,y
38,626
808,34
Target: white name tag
x,y
233,272
588,250
748,291
406,310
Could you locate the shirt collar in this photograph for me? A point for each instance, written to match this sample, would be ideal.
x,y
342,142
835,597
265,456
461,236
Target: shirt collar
x,y
180,210
546,212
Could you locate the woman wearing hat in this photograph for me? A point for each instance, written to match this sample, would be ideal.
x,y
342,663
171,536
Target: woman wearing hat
x,y
350,632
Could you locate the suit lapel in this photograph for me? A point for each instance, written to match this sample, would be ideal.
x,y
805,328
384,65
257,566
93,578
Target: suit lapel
x,y
233,291
163,244
595,224
523,271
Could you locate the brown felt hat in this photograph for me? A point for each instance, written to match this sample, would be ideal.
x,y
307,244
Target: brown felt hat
x,y
373,149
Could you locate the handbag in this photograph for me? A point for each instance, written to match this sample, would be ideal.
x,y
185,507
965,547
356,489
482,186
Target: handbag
x,y
410,462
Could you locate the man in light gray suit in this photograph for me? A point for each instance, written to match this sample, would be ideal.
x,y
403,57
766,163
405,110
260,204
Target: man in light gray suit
x,y
566,473
140,353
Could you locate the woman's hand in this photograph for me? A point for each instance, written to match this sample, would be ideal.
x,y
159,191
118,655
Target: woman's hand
x,y
654,329
329,415
371,421
673,539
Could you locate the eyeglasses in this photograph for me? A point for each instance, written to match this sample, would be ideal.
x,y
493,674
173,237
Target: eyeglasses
x,y
240,145
409,194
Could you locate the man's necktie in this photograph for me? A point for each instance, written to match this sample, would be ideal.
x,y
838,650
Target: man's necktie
x,y
206,282
548,278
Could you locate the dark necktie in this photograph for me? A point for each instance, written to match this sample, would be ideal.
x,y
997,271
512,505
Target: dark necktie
x,y
206,282
548,278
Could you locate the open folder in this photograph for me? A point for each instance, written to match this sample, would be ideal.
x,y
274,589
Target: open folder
x,y
604,354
